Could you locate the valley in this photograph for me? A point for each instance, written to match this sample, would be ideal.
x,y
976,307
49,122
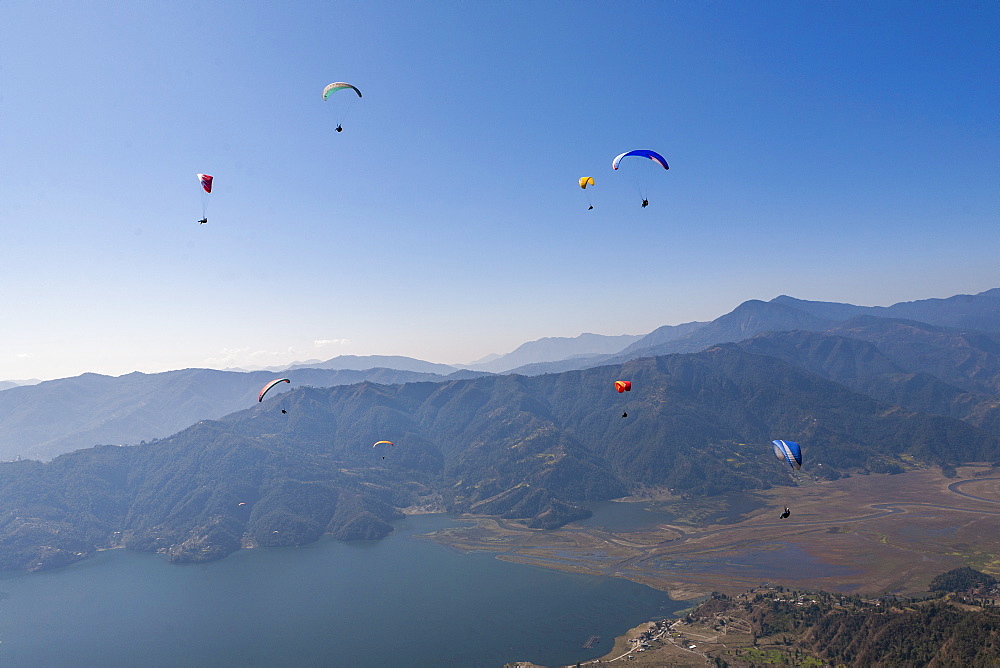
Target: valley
x,y
865,533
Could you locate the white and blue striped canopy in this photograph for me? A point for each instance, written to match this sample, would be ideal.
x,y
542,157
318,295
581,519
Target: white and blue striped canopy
x,y
790,452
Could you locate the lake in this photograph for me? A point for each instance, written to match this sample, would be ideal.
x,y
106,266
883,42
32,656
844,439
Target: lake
x,y
401,601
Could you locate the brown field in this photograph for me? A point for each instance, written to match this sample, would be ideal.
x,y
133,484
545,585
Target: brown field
x,y
864,534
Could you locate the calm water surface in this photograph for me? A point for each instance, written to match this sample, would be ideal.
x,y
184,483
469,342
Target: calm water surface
x,y
619,516
401,601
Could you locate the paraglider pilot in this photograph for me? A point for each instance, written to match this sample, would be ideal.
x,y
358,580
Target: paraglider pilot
x,y
203,221
785,514
339,129
624,414
645,203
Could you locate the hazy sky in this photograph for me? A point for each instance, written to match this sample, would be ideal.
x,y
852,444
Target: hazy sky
x,y
841,151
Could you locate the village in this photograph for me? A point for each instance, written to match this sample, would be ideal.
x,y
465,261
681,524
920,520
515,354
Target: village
x,y
770,625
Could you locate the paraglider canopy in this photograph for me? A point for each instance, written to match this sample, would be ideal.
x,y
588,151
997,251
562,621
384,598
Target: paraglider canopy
x,y
586,181
340,104
623,386
339,85
206,182
641,153
790,452
260,397
377,443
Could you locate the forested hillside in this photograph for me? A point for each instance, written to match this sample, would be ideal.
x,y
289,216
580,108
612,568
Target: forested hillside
x,y
529,448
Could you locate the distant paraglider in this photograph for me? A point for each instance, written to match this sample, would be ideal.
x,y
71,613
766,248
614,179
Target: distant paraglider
x,y
584,182
640,172
260,397
342,104
623,386
378,443
206,189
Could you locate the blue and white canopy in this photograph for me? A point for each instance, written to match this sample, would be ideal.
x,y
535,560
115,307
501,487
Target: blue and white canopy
x,y
641,153
790,452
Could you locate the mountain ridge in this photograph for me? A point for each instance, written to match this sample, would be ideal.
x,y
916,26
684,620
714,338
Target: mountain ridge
x,y
525,448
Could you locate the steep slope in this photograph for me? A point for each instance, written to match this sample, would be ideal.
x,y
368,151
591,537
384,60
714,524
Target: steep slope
x,y
863,367
966,358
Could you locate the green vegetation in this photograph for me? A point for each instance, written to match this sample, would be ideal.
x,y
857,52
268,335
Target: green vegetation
x,y
820,628
962,580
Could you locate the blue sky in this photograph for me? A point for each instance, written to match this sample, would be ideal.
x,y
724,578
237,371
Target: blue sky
x,y
841,151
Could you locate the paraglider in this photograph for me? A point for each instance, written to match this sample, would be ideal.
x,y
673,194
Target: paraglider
x,y
260,397
639,171
378,443
584,182
206,187
343,104
792,454
623,386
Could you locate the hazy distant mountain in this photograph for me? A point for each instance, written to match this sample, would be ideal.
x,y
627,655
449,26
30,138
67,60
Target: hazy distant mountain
x,y
788,314
481,360
980,311
555,349
7,384
363,362
746,320
664,334
57,416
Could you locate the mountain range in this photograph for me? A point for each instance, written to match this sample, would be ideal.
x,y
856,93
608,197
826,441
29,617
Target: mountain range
x,y
58,416
50,418
863,392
